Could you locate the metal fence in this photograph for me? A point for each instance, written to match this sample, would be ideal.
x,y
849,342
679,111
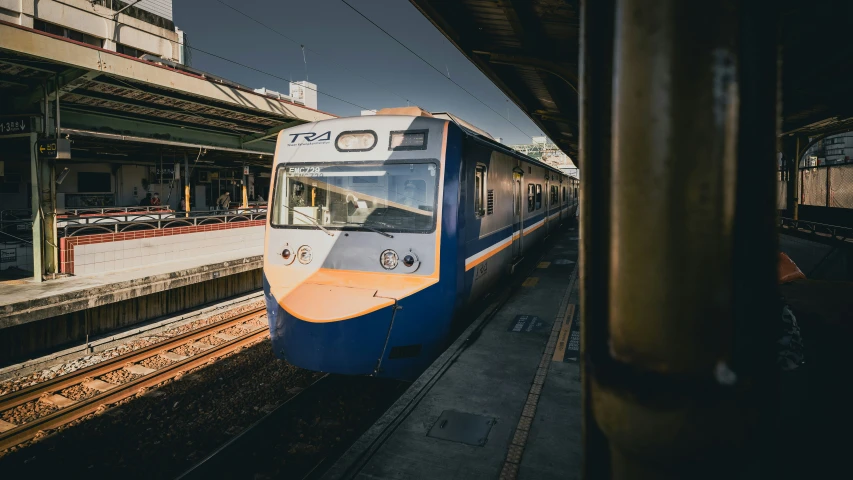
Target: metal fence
x,y
16,244
136,221
827,186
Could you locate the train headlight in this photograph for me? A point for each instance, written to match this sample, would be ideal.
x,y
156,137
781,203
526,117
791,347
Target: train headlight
x,y
389,259
355,141
304,254
287,255
408,260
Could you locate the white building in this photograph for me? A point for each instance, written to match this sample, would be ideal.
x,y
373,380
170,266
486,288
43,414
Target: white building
x,y
303,93
129,27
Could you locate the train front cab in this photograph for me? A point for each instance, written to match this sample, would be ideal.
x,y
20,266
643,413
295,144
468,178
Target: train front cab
x,y
341,311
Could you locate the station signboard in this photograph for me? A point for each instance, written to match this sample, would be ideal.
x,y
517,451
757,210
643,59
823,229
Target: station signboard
x,y
15,125
58,148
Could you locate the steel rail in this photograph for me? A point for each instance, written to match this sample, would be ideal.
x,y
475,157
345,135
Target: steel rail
x,y
88,406
34,392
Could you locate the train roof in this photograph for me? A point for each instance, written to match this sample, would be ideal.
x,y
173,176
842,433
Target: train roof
x,y
474,133
482,137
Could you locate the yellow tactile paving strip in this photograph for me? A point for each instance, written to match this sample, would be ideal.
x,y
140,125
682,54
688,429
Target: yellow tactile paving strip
x,y
563,319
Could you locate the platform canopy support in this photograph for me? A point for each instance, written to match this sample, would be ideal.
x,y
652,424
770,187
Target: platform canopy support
x,y
678,232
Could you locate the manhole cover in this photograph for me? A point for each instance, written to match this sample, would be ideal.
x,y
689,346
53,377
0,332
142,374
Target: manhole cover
x,y
462,427
525,323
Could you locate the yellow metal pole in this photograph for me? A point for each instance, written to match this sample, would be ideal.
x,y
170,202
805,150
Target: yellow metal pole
x,y
680,368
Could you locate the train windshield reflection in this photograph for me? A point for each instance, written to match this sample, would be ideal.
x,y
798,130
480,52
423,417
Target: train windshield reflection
x,y
386,197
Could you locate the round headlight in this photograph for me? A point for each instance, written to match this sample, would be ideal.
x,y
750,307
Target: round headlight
x,y
408,260
388,259
304,254
287,255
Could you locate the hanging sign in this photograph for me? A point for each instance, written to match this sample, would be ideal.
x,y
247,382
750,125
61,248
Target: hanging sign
x,y
13,126
58,148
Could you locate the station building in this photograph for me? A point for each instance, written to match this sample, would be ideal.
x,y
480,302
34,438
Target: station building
x,y
99,113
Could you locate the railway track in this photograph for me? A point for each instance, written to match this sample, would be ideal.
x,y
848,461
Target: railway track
x,y
142,369
303,435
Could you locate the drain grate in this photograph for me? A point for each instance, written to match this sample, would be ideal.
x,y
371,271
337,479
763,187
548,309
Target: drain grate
x,y
460,427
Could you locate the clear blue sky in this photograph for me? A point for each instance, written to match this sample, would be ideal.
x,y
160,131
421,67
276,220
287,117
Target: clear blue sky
x,y
348,46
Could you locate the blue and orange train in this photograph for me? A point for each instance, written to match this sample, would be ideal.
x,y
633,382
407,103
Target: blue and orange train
x,y
382,228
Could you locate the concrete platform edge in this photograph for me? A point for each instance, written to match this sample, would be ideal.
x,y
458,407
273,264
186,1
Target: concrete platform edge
x,y
359,453
51,306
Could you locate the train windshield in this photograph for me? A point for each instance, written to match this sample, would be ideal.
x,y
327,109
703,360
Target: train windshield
x,y
383,196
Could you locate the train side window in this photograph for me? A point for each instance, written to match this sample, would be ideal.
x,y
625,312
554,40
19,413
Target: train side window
x,y
479,190
576,193
531,197
538,196
565,195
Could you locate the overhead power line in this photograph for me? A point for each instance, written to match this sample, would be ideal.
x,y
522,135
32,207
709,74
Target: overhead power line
x,y
273,76
256,70
306,48
433,67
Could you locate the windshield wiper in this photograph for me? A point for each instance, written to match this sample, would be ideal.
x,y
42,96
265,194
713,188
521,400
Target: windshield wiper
x,y
309,217
380,232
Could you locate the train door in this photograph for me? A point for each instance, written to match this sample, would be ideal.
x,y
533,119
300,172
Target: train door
x,y
517,230
548,205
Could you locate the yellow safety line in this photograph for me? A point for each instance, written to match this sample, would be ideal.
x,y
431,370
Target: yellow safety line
x,y
563,338
522,430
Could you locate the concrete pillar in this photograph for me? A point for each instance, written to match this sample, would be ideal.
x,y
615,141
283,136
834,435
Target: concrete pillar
x,y
682,357
38,259
48,210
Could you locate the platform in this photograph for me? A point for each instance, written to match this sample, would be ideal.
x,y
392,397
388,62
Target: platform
x,y
25,301
504,401
41,318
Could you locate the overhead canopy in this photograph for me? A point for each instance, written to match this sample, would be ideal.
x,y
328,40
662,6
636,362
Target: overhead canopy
x,y
109,93
529,49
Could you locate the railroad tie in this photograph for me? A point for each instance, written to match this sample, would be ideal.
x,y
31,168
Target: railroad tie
x,y
139,369
4,425
58,400
99,385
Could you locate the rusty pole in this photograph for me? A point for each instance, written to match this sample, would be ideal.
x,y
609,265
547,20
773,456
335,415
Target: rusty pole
x,y
684,364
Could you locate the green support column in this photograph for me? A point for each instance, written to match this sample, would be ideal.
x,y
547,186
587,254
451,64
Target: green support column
x,y
38,259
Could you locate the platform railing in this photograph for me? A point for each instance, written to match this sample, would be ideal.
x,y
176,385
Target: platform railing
x,y
77,212
15,225
836,232
78,226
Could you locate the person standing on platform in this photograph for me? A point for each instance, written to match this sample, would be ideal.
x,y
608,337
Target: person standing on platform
x,y
146,202
155,200
224,201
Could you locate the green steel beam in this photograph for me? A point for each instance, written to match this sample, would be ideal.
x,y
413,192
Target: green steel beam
x,y
116,124
155,107
227,112
270,133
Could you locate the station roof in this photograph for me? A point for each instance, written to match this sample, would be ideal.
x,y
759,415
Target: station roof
x,y
114,97
529,49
